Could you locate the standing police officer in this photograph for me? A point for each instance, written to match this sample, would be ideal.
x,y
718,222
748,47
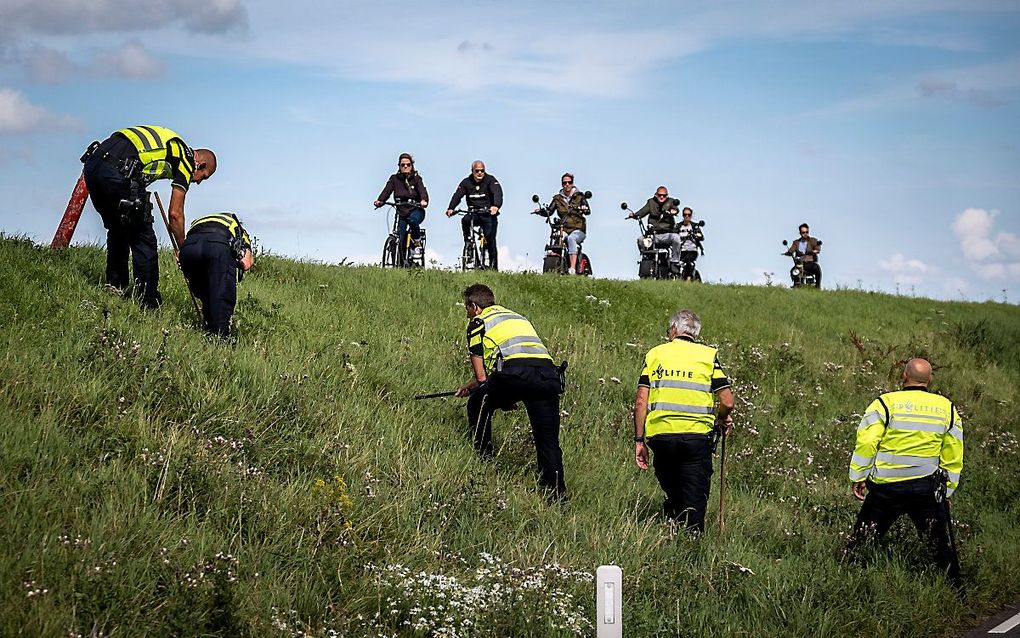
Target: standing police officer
x,y
484,199
674,413
117,172
216,246
908,460
511,364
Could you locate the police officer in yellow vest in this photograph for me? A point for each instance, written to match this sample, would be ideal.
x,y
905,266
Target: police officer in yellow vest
x,y
908,459
216,247
511,364
117,172
675,415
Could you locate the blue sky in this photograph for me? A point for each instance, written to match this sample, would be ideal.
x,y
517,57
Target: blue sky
x,y
893,128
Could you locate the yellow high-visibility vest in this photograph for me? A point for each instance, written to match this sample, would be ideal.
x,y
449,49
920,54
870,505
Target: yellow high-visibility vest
x,y
506,336
906,435
680,396
156,146
229,220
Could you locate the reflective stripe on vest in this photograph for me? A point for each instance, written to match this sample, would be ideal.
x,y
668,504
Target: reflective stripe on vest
x,y
914,436
680,398
509,336
229,220
154,147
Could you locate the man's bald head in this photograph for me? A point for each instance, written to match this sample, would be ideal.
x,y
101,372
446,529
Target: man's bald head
x,y
205,165
917,372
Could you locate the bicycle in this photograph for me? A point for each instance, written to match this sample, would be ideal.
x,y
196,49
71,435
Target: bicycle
x,y
556,257
475,255
408,255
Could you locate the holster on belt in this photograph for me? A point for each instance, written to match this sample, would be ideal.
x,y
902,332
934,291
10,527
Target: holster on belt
x,y
138,209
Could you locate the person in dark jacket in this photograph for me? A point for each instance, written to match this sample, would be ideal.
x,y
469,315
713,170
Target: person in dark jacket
x,y
215,248
571,207
484,199
661,211
406,184
808,248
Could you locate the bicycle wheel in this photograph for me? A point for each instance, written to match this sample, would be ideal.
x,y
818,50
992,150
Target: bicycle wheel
x,y
481,256
389,252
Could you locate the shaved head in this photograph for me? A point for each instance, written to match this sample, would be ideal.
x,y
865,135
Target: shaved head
x,y
917,372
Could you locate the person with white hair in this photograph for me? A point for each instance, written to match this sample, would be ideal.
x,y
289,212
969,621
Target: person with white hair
x,y
675,414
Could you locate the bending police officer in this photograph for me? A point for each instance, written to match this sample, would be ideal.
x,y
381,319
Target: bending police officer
x,y
908,459
484,199
510,364
675,415
117,172
215,248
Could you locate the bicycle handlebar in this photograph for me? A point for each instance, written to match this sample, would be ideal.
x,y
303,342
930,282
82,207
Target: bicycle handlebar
x,y
399,202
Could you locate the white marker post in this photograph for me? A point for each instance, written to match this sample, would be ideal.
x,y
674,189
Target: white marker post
x,y
609,601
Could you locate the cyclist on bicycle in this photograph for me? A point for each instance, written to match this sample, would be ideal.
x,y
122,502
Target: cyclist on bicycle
x,y
571,207
661,211
484,199
406,184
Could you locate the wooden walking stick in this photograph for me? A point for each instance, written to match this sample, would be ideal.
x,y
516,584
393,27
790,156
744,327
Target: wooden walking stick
x,y
722,483
177,252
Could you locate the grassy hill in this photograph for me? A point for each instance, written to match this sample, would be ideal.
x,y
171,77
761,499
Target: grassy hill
x,y
158,482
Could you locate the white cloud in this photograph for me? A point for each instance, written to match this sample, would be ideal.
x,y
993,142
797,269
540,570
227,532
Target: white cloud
x,y
900,264
131,60
907,270
977,85
990,254
509,262
70,17
18,115
46,66
526,45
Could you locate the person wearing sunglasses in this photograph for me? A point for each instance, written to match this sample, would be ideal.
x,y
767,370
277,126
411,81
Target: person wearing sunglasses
x,y
571,206
691,237
807,246
406,184
484,199
661,210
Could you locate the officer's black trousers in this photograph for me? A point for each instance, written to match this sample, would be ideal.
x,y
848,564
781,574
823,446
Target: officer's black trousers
x,y
683,465
488,224
209,265
107,186
916,498
539,388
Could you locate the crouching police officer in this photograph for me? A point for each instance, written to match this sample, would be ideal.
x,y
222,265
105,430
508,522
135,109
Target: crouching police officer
x,y
908,460
117,172
215,248
511,364
674,413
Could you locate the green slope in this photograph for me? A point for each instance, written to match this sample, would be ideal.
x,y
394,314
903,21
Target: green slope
x,y
157,482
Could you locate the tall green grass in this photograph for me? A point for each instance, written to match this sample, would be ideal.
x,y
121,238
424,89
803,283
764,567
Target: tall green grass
x,y
158,482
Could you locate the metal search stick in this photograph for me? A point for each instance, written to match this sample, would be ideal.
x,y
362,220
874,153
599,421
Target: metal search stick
x,y
177,252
